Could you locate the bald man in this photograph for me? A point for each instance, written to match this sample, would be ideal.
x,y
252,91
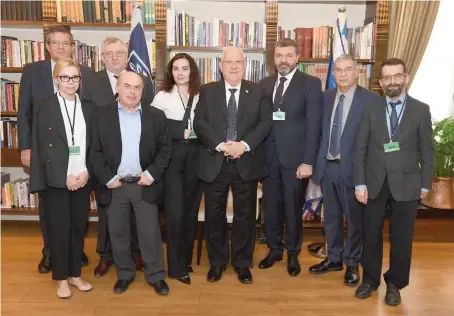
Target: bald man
x,y
131,150
232,119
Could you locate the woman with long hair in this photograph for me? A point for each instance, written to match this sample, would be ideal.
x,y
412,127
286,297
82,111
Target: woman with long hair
x,y
182,192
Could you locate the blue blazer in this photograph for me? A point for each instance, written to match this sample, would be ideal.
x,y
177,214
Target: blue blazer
x,y
349,135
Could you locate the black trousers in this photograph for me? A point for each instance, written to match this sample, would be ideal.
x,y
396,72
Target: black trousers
x,y
182,196
243,226
66,215
103,245
403,216
284,196
340,200
44,226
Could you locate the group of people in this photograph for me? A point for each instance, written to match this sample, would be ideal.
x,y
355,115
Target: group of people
x,y
81,131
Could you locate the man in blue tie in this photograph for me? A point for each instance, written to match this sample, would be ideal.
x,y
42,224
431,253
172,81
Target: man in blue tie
x,y
343,109
393,168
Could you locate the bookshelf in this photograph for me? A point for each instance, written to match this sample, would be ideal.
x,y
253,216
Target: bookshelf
x,y
15,70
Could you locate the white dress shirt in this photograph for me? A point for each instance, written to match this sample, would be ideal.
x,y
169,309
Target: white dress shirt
x,y
76,163
113,80
52,67
289,77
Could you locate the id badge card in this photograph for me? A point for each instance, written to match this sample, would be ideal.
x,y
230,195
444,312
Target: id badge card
x,y
74,150
278,116
391,146
192,135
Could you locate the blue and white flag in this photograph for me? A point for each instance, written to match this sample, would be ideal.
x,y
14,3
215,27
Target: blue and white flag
x,y
339,45
138,58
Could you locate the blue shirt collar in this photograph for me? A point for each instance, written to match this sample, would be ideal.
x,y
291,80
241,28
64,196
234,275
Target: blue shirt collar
x,y
402,99
139,108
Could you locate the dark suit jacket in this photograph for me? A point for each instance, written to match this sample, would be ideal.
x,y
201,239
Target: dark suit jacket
x,y
102,93
349,135
105,156
297,138
50,154
36,84
210,125
409,169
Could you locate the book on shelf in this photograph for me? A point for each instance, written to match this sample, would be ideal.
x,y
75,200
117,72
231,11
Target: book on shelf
x,y
21,11
8,132
9,95
186,30
17,53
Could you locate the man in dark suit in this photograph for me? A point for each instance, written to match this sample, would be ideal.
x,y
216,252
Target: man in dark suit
x,y
393,167
291,149
130,152
114,56
36,84
232,118
343,109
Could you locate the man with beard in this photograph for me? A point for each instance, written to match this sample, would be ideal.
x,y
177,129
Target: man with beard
x,y
393,168
291,149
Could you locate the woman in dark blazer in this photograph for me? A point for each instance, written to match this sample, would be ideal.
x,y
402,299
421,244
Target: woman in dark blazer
x,y
182,193
59,170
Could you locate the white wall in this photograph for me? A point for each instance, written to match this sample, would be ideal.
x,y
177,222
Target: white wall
x,y
434,80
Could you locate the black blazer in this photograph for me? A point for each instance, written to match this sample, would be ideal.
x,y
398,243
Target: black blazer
x,y
105,156
36,84
50,154
210,125
102,93
296,139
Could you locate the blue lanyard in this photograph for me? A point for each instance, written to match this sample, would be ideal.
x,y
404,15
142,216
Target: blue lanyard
x,y
393,130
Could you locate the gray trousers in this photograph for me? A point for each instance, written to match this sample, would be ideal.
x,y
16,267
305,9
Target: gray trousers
x,y
118,218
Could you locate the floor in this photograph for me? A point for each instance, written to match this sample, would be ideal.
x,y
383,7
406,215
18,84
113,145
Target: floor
x,y
274,292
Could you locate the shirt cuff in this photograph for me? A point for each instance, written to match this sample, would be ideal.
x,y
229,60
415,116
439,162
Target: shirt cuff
x,y
247,146
218,148
149,175
424,190
111,180
360,187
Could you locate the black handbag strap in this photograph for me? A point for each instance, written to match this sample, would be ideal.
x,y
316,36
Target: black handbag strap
x,y
187,113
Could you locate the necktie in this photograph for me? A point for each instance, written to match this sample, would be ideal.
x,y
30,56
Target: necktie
x,y
115,76
336,129
116,94
232,116
279,93
393,119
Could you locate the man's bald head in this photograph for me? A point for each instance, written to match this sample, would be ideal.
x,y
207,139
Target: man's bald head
x,y
232,65
129,88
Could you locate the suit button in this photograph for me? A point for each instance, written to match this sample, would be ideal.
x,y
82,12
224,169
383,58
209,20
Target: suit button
x,y
47,160
50,128
50,145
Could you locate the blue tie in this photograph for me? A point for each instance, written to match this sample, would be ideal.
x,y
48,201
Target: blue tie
x,y
336,130
393,120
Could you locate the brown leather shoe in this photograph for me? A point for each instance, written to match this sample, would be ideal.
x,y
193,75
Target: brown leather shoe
x,y
102,267
140,265
45,265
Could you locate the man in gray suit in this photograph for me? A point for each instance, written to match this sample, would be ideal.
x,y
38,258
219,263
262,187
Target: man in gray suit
x,y
343,109
393,168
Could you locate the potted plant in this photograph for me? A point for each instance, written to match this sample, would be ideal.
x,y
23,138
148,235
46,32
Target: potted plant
x,y
442,194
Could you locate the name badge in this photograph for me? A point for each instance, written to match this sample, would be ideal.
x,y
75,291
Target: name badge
x,y
74,150
192,135
391,146
278,116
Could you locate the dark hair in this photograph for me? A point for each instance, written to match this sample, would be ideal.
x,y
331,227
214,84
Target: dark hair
x,y
194,76
59,29
287,42
393,62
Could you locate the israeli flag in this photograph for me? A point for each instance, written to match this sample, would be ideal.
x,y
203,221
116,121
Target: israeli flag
x,y
339,45
138,58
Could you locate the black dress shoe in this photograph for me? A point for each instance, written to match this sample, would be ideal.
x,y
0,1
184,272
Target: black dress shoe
x,y
392,297
185,279
244,275
215,274
325,266
190,269
351,277
364,290
293,266
84,260
160,287
122,286
269,260
45,266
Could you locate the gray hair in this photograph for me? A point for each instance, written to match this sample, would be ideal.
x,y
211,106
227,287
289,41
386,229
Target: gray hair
x,y
346,57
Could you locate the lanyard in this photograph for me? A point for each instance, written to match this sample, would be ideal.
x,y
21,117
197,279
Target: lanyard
x,y
185,108
74,118
393,130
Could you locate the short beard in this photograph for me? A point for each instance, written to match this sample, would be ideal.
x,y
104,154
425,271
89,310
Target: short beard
x,y
392,93
285,71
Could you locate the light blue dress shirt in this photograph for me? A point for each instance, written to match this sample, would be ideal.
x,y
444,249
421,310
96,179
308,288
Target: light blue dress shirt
x,y
130,128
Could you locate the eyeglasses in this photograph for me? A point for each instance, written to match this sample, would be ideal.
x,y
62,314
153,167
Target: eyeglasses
x,y
119,53
230,63
67,78
397,77
58,43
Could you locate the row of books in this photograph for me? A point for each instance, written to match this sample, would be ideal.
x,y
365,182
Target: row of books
x,y
9,95
321,71
8,132
21,11
186,30
17,53
103,11
316,42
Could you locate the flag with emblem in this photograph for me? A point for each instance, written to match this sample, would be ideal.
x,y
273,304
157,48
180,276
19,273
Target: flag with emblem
x,y
339,45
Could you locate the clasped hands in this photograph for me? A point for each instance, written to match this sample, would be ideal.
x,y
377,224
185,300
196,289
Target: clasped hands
x,y
74,183
233,149
144,180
